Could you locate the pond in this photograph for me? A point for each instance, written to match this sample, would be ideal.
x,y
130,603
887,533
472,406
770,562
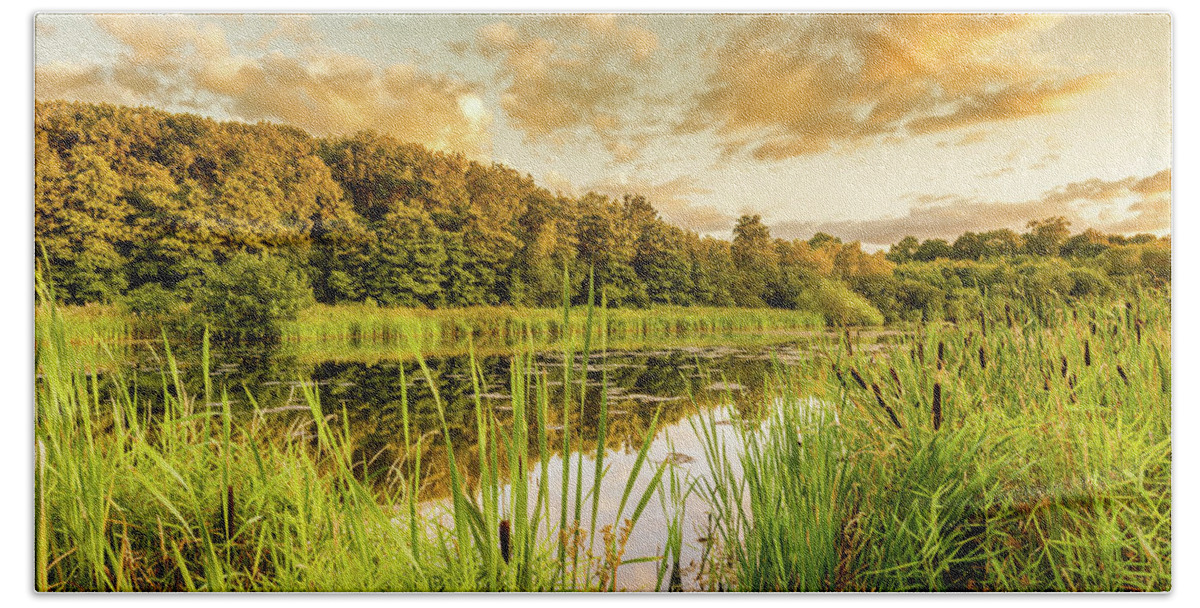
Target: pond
x,y
684,384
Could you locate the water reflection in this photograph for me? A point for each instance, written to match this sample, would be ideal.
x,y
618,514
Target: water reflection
x,y
682,383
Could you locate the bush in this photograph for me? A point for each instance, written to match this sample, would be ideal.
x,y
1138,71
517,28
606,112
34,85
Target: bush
x,y
155,306
1088,282
249,298
838,304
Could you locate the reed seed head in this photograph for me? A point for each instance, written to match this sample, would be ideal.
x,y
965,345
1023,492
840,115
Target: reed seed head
x,y
858,378
505,539
937,405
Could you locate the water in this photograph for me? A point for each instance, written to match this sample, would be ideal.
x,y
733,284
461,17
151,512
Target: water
x,y
682,382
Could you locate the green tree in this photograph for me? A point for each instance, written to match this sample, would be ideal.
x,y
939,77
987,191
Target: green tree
x,y
406,260
904,250
754,260
932,249
1046,236
249,297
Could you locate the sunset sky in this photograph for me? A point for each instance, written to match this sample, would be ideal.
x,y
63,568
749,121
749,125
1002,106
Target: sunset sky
x,y
870,127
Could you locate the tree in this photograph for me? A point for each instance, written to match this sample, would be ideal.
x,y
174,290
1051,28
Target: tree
x,y
969,246
81,222
932,249
904,250
250,297
1046,236
1087,244
1002,242
754,259
406,260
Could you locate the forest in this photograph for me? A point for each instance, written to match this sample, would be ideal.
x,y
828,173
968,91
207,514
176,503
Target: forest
x,y
155,211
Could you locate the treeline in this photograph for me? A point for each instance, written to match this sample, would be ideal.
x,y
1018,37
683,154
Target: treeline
x,y
158,209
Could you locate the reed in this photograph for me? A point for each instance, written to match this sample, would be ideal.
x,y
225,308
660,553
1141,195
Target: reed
x,y
185,495
1018,484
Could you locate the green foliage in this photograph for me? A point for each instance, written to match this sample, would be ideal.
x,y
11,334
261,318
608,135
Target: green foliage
x,y
249,298
132,203
838,304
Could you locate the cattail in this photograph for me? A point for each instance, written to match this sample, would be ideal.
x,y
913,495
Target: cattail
x,y
1071,381
896,379
1128,313
937,405
505,541
1046,383
921,352
849,344
1008,315
941,355
1064,366
838,373
1074,314
1121,373
1138,327
1087,353
890,412
982,324
1093,324
982,358
858,378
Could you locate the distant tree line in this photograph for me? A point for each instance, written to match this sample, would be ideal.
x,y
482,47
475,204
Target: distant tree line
x,y
161,210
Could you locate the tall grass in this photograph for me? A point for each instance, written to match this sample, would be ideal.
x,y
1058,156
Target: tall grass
x,y
184,495
450,329
439,328
1033,452
1026,449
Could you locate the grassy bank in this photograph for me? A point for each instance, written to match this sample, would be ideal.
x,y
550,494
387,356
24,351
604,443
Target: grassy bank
x,y
183,495
1016,451
1007,454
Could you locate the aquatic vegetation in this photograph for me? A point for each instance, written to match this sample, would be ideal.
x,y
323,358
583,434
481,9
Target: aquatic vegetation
x,y
960,474
1025,452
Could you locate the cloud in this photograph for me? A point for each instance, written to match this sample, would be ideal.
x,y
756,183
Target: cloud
x,y
573,75
672,199
179,62
788,86
1122,206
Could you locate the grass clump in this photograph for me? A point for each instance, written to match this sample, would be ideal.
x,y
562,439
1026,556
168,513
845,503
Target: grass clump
x,y
1042,464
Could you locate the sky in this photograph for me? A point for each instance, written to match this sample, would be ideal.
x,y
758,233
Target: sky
x,y
868,126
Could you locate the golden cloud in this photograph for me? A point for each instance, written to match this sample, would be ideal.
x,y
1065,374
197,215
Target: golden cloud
x,y
786,86
175,61
570,75
1123,206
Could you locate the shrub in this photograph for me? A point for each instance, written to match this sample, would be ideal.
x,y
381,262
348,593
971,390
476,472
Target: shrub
x,y
838,304
155,306
249,297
